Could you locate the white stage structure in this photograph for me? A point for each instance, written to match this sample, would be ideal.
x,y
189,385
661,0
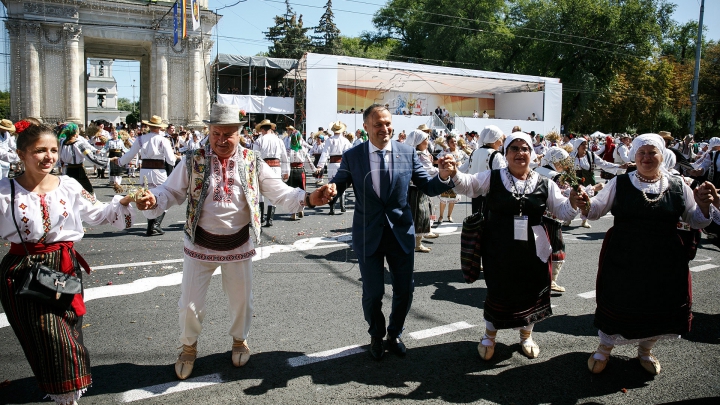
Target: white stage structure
x,y
418,89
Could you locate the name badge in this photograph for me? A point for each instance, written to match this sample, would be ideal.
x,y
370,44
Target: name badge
x,y
521,227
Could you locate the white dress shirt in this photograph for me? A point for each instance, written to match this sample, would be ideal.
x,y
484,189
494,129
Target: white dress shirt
x,y
375,164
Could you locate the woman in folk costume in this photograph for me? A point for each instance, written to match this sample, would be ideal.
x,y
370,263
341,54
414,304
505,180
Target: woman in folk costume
x,y
115,147
7,147
606,153
299,163
362,137
450,197
515,247
316,151
128,140
645,296
551,167
486,157
420,204
49,211
585,163
74,149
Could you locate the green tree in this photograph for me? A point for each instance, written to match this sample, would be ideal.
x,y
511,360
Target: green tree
x,y
288,36
124,104
133,118
360,47
328,41
5,104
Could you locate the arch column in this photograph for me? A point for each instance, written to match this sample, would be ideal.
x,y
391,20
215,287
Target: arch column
x,y
74,98
32,69
197,81
161,74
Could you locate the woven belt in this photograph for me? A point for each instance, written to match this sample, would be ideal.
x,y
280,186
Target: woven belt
x,y
75,166
115,150
296,165
273,162
221,243
317,154
153,164
335,159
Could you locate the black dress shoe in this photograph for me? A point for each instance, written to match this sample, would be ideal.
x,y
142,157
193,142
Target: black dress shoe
x,y
396,346
376,348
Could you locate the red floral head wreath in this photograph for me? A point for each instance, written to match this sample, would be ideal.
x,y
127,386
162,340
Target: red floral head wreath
x,y
21,126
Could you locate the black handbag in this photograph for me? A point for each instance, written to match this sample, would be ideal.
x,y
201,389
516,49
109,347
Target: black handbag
x,y
42,283
470,256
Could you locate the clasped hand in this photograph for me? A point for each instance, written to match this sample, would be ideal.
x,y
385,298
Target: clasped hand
x,y
145,201
447,166
323,195
580,200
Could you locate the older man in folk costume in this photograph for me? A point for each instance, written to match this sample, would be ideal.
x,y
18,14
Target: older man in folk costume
x,y
222,182
156,151
272,150
7,147
332,153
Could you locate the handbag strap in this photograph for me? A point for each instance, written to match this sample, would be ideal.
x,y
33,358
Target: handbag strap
x,y
12,210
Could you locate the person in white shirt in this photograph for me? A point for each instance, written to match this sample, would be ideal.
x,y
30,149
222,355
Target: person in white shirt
x,y
223,229
316,151
332,153
156,152
686,147
7,145
74,149
485,114
272,151
115,147
486,157
622,152
476,114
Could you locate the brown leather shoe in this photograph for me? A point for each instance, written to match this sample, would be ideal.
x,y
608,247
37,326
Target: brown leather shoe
x,y
186,361
240,353
597,366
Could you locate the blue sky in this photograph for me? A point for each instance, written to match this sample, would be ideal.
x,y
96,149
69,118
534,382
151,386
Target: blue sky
x,y
242,27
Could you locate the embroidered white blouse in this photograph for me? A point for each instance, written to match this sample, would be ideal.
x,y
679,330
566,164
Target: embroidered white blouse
x,y
603,201
475,185
150,146
225,210
57,216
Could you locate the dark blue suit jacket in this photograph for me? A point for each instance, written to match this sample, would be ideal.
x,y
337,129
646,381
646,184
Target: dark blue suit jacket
x,y
368,222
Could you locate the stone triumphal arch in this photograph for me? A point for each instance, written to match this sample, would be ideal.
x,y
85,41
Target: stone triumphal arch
x,y
50,41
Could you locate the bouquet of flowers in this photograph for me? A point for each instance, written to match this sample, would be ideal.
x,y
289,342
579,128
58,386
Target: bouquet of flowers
x,y
135,191
569,176
242,114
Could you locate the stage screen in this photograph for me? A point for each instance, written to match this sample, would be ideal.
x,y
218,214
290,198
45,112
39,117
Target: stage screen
x,y
413,103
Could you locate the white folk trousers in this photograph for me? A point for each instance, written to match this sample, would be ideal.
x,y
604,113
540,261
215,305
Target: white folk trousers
x,y
237,285
278,173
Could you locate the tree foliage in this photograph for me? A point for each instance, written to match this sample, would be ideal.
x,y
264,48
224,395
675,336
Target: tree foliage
x,y
328,39
288,35
623,63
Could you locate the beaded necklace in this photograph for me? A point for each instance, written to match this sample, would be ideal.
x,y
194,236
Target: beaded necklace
x,y
663,188
515,193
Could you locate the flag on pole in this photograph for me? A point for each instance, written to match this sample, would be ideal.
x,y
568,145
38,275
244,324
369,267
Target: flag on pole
x,y
184,19
175,24
195,8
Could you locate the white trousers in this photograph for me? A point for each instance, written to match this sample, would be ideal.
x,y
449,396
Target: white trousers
x,y
332,170
237,285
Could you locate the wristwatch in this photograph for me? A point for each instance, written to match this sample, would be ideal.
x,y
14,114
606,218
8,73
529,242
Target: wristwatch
x,y
307,201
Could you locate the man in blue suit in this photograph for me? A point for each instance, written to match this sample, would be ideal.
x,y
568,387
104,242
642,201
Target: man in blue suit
x,y
380,172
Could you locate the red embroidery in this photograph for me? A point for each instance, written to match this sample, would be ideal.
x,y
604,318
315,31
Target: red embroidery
x,y
25,219
22,206
65,214
62,202
128,221
45,210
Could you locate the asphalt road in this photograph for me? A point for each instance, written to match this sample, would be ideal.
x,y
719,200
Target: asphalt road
x,y
309,338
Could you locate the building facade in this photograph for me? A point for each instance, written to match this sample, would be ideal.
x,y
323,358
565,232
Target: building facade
x,y
50,41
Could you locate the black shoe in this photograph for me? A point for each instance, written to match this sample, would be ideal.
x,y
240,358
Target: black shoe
x,y
396,346
376,348
332,211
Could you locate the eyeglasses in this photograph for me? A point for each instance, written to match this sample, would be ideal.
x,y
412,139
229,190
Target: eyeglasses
x,y
518,149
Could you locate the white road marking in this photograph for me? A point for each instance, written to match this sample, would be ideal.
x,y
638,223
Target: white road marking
x,y
169,388
135,264
440,330
150,283
326,355
703,267
587,295
706,258
145,223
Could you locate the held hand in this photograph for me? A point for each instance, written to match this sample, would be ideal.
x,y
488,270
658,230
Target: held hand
x,y
323,195
579,200
114,159
285,177
624,166
447,166
704,195
696,173
146,201
714,192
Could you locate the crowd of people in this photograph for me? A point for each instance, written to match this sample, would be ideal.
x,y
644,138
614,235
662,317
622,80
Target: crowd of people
x,y
525,187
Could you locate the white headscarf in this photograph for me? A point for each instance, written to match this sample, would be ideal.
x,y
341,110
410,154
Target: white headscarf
x,y
415,138
522,136
649,139
553,155
713,142
490,134
576,142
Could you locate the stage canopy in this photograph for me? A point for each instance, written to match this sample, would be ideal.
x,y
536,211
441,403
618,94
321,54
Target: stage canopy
x,y
428,79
